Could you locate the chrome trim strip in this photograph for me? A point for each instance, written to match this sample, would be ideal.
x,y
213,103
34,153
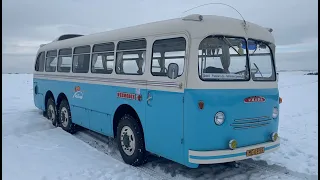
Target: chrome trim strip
x,y
111,80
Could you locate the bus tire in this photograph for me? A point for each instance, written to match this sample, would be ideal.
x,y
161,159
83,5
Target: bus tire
x,y
51,112
65,119
130,141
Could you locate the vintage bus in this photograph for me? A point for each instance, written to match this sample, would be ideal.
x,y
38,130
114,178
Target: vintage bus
x,y
195,90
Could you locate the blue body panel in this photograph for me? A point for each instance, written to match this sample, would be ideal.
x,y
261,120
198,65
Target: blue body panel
x,y
98,104
172,122
202,134
164,124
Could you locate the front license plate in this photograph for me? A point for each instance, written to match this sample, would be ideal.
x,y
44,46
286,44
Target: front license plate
x,y
256,151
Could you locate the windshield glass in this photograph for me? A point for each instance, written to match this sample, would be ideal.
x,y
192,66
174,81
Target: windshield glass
x,y
261,63
223,58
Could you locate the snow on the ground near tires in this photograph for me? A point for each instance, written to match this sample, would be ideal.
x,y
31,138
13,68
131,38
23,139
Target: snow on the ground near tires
x,y
34,149
298,126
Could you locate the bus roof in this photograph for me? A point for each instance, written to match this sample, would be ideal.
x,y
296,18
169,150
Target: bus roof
x,y
208,25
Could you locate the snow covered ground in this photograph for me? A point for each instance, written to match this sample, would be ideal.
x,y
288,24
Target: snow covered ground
x,y
33,149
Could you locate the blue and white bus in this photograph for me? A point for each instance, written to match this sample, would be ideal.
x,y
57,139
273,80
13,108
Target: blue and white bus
x,y
195,90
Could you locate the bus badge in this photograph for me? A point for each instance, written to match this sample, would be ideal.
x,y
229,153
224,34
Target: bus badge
x,y
77,94
129,96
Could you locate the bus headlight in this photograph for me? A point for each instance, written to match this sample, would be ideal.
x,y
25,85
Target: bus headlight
x,y
275,113
219,118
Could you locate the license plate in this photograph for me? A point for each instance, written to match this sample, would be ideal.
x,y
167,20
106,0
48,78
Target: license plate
x,y
256,151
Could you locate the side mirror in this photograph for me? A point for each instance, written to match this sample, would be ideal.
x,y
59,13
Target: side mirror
x,y
173,70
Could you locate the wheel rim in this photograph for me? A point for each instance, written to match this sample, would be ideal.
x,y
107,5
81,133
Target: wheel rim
x,y
51,113
127,139
64,117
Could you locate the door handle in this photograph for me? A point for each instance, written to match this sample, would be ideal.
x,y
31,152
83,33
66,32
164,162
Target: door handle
x,y
149,98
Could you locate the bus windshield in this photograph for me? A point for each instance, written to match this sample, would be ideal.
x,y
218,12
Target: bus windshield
x,y
223,58
261,61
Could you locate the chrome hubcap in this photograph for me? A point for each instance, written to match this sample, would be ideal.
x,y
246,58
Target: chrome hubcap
x,y
127,140
64,117
51,113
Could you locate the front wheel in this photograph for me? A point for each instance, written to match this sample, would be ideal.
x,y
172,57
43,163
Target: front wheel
x,y
131,141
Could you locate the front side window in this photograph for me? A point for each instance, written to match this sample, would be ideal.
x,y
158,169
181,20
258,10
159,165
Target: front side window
x,y
168,51
223,58
261,61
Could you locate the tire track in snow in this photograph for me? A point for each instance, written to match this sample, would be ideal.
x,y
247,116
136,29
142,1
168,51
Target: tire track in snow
x,y
108,146
277,170
97,141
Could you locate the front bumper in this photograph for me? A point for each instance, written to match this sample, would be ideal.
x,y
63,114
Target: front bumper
x,y
221,156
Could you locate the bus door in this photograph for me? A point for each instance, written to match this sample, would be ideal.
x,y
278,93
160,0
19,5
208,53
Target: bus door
x,y
164,101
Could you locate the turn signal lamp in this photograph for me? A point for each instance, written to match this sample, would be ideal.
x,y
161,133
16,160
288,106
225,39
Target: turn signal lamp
x,y
232,144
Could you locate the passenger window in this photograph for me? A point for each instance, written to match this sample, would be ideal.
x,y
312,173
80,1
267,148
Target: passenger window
x,y
102,58
131,57
39,66
81,59
65,60
51,61
168,51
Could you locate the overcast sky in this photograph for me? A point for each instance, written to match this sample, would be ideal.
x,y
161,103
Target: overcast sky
x,y
27,24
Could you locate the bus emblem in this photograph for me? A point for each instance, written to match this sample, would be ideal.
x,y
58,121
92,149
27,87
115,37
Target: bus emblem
x,y
77,94
254,99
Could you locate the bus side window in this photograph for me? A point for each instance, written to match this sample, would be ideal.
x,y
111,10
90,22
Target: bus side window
x,y
81,59
64,60
102,58
39,66
168,51
51,61
131,57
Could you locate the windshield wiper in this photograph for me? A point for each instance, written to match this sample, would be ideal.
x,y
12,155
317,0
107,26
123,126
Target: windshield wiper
x,y
258,69
254,51
230,45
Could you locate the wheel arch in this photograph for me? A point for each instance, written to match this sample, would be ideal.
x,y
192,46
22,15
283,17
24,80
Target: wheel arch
x,y
48,95
122,110
61,97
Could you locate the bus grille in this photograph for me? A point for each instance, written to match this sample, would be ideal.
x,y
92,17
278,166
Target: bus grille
x,y
248,123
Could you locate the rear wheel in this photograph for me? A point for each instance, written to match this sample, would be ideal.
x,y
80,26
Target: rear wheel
x,y
131,141
65,119
52,112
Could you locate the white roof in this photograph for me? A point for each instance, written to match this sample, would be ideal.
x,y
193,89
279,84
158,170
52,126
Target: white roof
x,y
210,25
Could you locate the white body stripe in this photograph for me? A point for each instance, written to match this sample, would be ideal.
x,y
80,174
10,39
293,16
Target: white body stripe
x,y
229,152
129,83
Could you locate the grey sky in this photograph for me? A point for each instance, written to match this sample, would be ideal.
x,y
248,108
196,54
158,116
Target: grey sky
x,y
27,24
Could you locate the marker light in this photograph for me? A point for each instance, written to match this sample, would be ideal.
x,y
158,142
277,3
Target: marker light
x,y
232,144
201,104
280,100
219,118
274,136
275,113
